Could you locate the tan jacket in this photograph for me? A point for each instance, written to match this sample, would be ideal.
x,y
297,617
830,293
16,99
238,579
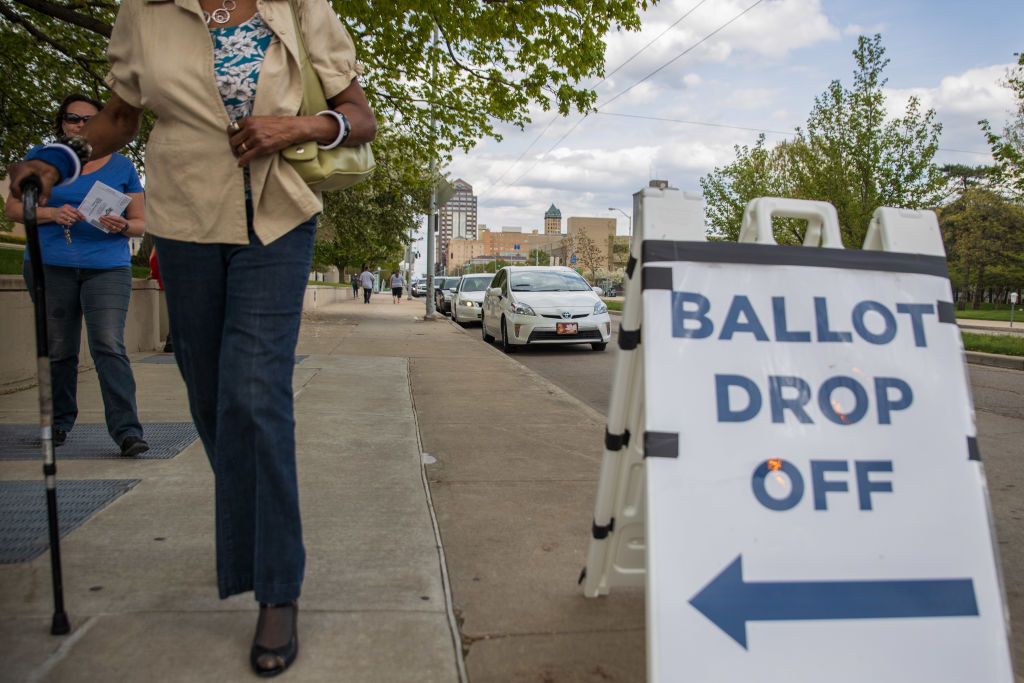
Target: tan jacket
x,y
161,56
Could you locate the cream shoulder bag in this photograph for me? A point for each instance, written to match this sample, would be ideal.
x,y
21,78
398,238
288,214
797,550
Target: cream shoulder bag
x,y
324,170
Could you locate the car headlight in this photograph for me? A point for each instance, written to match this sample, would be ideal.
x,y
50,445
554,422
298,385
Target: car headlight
x,y
600,308
522,309
468,304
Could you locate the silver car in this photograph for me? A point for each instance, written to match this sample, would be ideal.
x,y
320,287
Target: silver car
x,y
468,299
443,287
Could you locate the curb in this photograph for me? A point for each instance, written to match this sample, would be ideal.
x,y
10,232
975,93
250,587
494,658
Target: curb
x,y
994,360
991,328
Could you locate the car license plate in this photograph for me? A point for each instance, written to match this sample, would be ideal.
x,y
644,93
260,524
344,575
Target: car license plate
x,y
566,328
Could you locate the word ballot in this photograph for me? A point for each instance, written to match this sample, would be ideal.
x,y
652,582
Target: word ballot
x,y
815,501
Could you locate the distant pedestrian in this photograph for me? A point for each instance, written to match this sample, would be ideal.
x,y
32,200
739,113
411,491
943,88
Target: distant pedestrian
x,y
355,285
397,285
154,274
366,282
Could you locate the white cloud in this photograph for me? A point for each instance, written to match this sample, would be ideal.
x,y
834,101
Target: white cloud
x,y
976,93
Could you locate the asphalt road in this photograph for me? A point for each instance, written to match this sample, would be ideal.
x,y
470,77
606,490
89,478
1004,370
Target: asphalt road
x,y
999,406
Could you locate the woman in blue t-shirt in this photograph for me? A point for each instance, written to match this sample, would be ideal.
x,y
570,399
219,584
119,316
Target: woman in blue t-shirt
x,y
88,271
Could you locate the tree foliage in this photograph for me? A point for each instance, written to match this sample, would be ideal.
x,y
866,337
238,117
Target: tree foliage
x,y
984,236
371,222
850,155
588,253
1008,146
493,60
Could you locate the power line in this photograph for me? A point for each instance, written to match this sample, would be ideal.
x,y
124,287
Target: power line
x,y
620,94
685,52
754,130
696,123
593,87
652,42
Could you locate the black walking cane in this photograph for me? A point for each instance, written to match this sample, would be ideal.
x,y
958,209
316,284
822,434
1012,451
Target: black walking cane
x,y
29,193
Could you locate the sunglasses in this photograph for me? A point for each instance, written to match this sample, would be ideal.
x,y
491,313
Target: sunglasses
x,y
75,118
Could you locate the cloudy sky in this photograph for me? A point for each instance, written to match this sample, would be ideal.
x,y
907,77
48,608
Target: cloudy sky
x,y
760,72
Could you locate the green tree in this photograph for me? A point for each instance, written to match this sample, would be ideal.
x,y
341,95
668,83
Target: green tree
x,y
984,237
756,172
588,253
538,257
849,155
1008,146
372,222
493,61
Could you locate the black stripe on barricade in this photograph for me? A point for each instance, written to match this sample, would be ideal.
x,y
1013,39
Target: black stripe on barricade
x,y
630,266
601,532
655,251
616,442
629,339
656,278
973,452
661,445
947,312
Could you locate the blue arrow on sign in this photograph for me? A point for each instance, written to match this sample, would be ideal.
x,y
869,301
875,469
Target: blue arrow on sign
x,y
730,602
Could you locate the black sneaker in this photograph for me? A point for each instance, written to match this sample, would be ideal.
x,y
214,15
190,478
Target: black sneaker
x,y
59,437
132,446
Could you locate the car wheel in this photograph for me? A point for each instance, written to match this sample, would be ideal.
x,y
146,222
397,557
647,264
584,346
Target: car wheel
x,y
599,346
506,346
455,317
483,331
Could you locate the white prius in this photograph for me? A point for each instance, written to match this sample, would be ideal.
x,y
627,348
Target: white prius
x,y
543,305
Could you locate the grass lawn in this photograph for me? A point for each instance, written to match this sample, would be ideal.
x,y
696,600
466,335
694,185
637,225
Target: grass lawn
x,y
1006,344
10,264
989,312
10,261
613,305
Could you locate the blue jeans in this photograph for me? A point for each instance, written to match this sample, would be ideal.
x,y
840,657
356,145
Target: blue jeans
x,y
234,314
102,295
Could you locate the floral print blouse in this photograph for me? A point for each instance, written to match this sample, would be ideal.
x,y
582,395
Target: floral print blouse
x,y
237,57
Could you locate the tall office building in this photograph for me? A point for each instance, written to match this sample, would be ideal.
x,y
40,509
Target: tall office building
x,y
553,221
458,217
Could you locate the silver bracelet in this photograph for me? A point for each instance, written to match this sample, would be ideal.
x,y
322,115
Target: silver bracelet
x,y
73,155
344,127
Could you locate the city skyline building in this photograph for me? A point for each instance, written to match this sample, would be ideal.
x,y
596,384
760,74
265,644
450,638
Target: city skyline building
x,y
553,221
457,219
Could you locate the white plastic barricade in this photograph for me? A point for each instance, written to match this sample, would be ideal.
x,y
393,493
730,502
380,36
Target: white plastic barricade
x,y
816,506
617,553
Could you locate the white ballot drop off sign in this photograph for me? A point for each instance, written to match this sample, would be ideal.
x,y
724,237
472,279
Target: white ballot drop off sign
x,y
816,502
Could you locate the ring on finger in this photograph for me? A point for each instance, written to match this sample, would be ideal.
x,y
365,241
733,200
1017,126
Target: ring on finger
x,y
235,127
243,148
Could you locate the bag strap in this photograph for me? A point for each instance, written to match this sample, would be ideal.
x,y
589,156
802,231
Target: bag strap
x,y
313,98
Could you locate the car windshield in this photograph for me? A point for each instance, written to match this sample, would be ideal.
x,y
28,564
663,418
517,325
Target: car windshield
x,y
450,282
548,281
474,284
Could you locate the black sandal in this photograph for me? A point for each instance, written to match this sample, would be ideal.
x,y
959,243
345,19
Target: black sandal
x,y
281,656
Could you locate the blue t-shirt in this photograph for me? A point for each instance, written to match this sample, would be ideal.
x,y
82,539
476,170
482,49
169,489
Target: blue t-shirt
x,y
90,247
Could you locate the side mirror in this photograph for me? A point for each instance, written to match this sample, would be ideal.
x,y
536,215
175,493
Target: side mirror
x,y
600,292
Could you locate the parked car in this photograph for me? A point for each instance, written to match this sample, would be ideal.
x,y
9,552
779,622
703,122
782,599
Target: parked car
x,y
443,287
469,298
418,287
543,305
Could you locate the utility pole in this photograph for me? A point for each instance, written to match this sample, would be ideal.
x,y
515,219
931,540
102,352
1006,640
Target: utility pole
x,y
432,220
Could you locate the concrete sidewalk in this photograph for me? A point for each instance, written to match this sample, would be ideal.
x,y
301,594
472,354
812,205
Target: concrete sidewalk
x,y
139,575
514,464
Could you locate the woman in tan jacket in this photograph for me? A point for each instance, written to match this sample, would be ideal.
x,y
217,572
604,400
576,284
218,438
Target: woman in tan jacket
x,y
235,225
